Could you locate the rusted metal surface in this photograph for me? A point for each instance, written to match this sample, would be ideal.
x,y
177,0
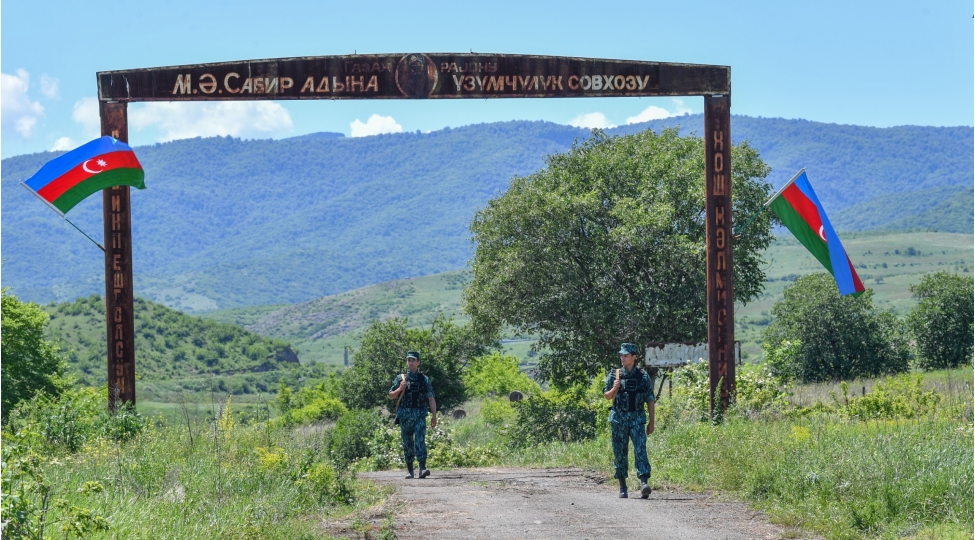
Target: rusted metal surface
x,y
413,76
681,354
721,300
119,315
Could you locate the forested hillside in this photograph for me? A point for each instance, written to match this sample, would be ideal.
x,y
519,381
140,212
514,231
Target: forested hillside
x,y
170,344
226,223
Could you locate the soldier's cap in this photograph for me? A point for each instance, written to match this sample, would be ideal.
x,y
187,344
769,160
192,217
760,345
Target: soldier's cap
x,y
629,348
413,354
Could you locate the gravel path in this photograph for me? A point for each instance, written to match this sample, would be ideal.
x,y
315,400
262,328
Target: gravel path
x,y
563,504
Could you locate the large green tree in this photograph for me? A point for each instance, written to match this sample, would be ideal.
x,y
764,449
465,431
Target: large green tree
x,y
942,321
607,244
30,364
838,337
444,348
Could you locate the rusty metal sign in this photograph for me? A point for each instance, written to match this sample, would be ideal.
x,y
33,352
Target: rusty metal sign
x,y
669,355
413,76
423,76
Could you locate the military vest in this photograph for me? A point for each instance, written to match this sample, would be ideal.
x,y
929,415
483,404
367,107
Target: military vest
x,y
631,386
415,396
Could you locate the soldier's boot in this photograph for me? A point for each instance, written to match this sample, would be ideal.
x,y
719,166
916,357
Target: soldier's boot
x,y
623,494
424,472
409,467
644,487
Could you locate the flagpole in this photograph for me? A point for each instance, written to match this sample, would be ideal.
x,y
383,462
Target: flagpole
x,y
769,202
60,213
783,188
86,235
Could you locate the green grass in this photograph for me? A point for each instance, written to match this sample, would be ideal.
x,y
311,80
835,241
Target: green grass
x,y
229,482
814,472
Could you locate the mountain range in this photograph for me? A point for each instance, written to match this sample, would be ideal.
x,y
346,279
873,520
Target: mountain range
x,y
227,223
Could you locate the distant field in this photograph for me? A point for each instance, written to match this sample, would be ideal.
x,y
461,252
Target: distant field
x,y
884,263
322,328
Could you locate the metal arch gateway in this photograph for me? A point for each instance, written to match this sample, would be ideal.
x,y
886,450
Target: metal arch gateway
x,y
422,76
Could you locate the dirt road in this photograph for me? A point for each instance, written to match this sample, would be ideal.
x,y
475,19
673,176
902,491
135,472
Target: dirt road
x,y
563,504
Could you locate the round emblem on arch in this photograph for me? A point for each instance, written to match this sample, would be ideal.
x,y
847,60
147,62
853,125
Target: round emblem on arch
x,y
416,75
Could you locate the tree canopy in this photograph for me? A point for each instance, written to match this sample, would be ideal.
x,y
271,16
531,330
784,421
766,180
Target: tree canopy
x,y
607,244
826,336
942,321
30,364
444,348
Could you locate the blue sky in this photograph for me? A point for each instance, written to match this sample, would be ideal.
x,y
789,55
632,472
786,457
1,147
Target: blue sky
x,y
869,63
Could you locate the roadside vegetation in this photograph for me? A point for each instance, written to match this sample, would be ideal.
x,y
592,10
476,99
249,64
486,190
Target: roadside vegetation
x,y
858,423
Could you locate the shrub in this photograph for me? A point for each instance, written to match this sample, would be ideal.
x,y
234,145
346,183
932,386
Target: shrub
x,y
30,364
834,337
942,321
498,412
29,496
310,404
442,451
350,439
781,358
443,348
321,409
327,486
893,397
385,450
757,390
496,373
555,416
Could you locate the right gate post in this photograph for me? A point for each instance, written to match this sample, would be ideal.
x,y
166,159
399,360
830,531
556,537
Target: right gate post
x,y
721,299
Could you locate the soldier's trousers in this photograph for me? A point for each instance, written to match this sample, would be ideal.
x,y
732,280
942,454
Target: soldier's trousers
x,y
413,432
623,433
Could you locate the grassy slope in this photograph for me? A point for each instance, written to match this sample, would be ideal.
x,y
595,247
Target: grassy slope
x,y
321,328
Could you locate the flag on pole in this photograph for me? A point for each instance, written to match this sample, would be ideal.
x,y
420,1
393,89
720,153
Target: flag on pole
x,y
68,179
801,212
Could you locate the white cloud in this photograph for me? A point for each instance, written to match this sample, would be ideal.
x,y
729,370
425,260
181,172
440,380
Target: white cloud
x,y
183,120
591,121
656,113
85,112
376,125
64,143
16,108
49,86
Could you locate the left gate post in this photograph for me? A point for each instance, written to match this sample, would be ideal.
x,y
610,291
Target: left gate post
x,y
119,314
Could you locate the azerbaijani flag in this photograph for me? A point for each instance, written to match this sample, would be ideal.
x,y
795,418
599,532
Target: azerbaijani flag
x,y
68,179
801,212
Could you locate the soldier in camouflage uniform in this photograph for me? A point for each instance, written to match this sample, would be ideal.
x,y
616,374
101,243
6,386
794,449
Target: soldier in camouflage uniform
x,y
629,392
417,395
